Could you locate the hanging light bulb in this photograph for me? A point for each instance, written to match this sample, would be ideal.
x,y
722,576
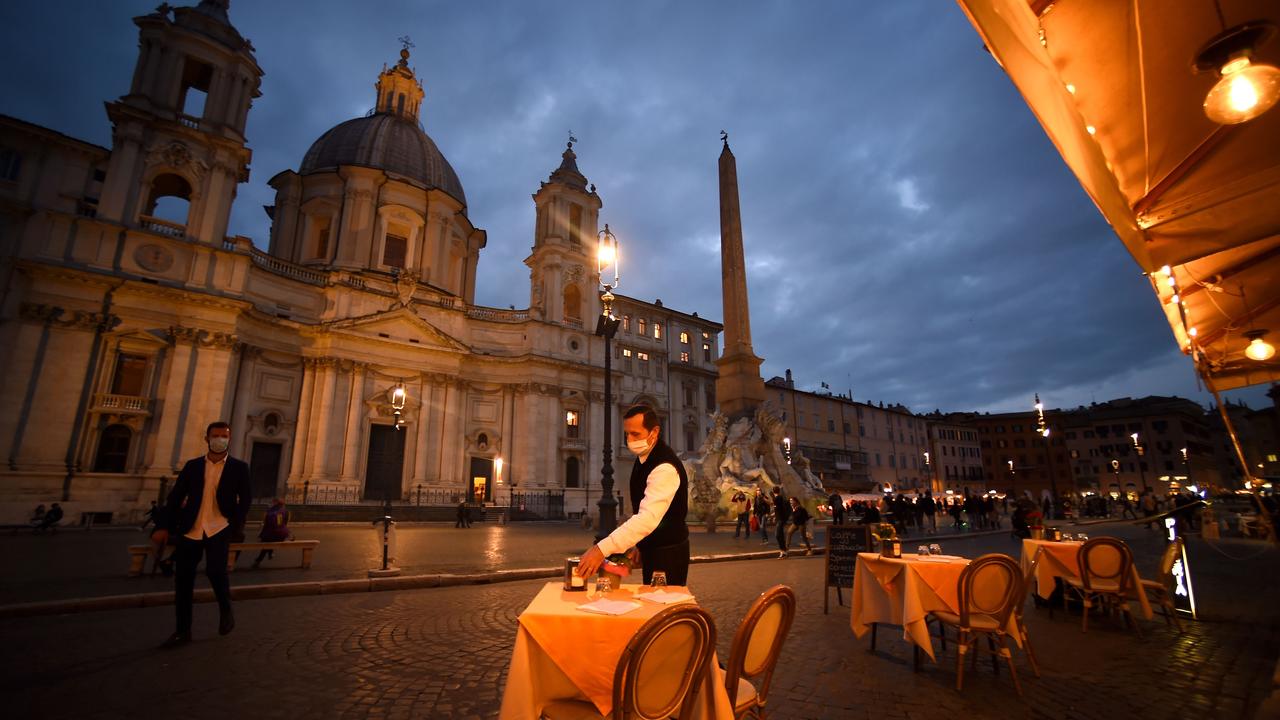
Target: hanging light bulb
x,y
1244,89
1259,349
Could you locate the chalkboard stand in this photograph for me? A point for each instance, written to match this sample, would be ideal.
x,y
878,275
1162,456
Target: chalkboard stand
x,y
844,542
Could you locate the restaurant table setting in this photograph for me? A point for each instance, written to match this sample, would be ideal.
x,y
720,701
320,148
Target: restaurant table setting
x,y
568,644
903,591
1061,559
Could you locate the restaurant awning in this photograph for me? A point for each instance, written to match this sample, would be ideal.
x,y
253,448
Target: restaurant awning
x,y
1114,84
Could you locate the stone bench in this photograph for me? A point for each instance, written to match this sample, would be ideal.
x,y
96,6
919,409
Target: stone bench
x,y
138,553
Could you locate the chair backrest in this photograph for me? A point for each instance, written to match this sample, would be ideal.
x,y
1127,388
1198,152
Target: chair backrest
x,y
1106,558
666,658
758,641
990,585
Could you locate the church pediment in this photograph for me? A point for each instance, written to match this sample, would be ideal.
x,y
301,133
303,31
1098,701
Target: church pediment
x,y
400,324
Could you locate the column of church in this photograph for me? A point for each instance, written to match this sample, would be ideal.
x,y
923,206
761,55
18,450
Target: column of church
x,y
237,413
322,420
423,430
354,425
208,391
452,455
302,427
170,402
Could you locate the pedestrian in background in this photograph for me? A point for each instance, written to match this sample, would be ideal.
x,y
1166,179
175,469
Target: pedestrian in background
x,y
781,514
742,508
275,528
206,511
463,516
762,514
837,508
800,520
930,509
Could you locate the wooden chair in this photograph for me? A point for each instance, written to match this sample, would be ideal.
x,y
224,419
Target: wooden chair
x,y
1106,576
755,650
1161,591
659,672
991,587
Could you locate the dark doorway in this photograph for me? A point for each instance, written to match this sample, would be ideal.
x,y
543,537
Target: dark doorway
x,y
264,469
386,463
481,479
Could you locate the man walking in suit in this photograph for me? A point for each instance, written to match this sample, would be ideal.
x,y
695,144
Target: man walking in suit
x,y
206,512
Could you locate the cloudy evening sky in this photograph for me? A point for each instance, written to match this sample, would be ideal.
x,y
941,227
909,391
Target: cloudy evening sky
x,y
911,235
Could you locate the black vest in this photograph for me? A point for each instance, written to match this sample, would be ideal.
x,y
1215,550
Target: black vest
x,y
672,528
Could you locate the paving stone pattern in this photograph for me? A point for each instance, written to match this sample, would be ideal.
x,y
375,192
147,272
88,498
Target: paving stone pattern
x,y
444,653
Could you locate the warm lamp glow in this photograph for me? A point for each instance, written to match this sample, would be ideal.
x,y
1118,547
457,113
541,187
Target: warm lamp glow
x,y
607,255
1260,349
1244,92
398,397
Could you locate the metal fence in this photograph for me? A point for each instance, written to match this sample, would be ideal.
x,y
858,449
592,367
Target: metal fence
x,y
537,504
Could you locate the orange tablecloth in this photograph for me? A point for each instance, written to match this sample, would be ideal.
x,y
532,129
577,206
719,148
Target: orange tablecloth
x,y
1062,560
564,653
904,591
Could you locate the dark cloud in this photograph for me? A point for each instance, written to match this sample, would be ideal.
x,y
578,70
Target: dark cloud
x,y
911,234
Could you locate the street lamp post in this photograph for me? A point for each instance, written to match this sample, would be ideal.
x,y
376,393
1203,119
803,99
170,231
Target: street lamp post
x,y
607,327
1013,480
1142,473
1048,453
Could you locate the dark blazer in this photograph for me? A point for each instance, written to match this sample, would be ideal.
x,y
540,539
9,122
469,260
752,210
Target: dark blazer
x,y
234,495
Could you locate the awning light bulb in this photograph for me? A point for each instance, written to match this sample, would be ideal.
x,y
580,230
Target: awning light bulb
x,y
1244,92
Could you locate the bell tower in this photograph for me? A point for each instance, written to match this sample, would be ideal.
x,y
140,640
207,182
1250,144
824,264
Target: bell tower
x,y
563,281
178,146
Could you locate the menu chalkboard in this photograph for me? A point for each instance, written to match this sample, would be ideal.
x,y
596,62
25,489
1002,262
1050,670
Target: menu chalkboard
x,y
844,542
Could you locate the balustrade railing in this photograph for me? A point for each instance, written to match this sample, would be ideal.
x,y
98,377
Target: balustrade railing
x,y
122,403
497,314
163,227
276,265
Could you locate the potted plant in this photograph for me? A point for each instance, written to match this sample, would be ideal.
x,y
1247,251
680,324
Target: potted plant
x,y
1035,522
887,534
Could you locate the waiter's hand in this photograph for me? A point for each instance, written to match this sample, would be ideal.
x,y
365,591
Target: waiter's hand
x,y
591,561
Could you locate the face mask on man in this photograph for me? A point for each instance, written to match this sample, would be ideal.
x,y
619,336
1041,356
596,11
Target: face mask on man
x,y
219,444
639,447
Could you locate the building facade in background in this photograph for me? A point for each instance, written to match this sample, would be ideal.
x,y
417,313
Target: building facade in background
x,y
129,320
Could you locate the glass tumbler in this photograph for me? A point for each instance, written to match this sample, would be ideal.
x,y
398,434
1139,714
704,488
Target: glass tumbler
x,y
659,580
935,549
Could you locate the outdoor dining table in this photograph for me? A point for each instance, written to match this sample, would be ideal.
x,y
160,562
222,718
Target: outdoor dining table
x,y
1061,559
903,591
562,652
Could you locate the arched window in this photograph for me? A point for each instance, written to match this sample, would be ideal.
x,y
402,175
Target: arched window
x,y
571,472
572,304
169,201
113,449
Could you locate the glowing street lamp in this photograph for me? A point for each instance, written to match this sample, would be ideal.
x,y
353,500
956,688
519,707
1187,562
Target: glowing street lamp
x,y
398,397
1048,453
1141,451
606,327
786,449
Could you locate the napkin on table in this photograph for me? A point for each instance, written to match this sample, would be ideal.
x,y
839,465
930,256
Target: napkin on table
x,y
665,597
605,606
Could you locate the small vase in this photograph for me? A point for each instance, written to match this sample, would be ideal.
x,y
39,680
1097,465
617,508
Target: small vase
x,y
1037,533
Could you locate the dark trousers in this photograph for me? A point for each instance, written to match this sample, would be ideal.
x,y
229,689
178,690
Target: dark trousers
x,y
782,533
186,557
671,559
744,524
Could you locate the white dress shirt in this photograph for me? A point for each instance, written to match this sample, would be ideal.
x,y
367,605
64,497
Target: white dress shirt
x,y
659,490
209,521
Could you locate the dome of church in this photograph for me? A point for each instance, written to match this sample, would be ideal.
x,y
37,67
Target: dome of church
x,y
385,141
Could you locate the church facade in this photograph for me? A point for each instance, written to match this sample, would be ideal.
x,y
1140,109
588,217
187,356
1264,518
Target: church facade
x,y
349,357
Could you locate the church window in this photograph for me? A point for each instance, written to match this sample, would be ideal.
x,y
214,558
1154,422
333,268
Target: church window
x,y
684,337
196,78
690,439
642,326
390,96
575,223
113,449
684,356
572,304
706,336
571,472
322,227
10,164
394,250
571,420
657,331
130,373
706,352
169,202
400,104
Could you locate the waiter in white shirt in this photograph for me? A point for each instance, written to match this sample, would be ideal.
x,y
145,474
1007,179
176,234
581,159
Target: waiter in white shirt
x,y
657,531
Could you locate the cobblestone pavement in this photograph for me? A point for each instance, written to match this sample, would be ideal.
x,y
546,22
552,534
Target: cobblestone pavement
x,y
444,653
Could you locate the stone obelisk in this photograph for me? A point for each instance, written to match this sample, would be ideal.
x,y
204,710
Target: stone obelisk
x,y
739,389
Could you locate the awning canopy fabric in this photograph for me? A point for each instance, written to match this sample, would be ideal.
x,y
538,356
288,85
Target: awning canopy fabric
x,y
1114,86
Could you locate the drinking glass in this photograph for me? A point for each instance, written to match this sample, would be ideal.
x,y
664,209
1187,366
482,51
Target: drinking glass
x,y
602,586
1066,537
935,549
659,580
922,550
1081,537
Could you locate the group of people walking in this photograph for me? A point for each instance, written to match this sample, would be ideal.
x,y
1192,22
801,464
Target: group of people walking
x,y
787,515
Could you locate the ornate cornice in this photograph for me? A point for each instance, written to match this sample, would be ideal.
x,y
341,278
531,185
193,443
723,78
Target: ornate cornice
x,y
75,320
203,338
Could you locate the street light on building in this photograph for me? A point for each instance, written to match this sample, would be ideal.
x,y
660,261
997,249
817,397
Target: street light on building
x,y
607,327
786,449
1048,452
1013,480
398,397
1142,473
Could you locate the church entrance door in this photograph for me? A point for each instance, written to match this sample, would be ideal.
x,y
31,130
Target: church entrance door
x,y
386,463
481,480
264,469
